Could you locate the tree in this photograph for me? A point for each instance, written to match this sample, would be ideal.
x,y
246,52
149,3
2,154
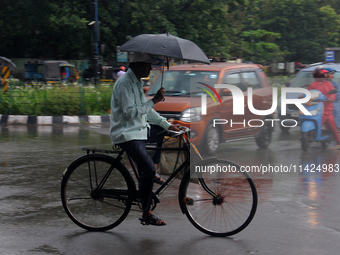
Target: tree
x,y
43,29
306,27
257,30
202,21
57,28
259,46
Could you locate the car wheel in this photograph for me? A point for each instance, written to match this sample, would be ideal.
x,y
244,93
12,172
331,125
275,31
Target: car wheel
x,y
211,140
306,139
264,137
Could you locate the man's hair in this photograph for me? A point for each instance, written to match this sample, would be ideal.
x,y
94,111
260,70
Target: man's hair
x,y
133,65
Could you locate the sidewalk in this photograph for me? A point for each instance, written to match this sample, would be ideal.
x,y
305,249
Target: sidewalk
x,y
50,120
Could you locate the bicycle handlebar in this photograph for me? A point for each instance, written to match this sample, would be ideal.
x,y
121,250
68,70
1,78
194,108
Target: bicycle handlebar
x,y
182,130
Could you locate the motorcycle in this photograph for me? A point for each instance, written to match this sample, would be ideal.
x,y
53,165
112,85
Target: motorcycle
x,y
311,125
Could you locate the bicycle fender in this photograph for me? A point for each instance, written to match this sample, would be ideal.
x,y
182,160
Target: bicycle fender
x,y
80,159
83,158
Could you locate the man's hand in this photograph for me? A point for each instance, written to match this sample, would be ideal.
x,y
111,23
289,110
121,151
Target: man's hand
x,y
174,127
159,96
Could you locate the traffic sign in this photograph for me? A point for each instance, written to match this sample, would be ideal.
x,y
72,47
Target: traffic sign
x,y
4,75
330,55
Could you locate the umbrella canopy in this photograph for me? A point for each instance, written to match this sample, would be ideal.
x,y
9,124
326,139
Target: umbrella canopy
x,y
7,62
165,45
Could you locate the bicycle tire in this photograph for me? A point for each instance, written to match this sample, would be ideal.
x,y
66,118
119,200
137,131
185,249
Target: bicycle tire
x,y
86,208
231,204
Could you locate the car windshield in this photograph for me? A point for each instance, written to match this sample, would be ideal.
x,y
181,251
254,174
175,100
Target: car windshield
x,y
184,83
303,79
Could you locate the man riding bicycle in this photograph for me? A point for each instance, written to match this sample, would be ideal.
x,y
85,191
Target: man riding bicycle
x,y
325,87
131,114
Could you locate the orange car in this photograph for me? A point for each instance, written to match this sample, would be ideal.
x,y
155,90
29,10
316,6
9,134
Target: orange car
x,y
194,100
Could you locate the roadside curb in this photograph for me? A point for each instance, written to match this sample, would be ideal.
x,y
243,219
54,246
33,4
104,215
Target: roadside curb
x,y
51,120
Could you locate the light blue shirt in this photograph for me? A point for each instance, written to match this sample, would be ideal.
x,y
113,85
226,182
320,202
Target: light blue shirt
x,y
130,111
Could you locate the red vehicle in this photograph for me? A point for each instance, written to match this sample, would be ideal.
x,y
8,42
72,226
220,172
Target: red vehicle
x,y
185,85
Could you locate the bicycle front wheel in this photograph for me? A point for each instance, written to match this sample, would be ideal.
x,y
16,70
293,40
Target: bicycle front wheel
x,y
89,198
218,198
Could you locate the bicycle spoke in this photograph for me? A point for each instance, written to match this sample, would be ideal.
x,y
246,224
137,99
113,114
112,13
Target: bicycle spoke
x,y
78,198
203,200
81,184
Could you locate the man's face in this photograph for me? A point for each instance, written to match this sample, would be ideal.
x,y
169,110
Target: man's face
x,y
145,70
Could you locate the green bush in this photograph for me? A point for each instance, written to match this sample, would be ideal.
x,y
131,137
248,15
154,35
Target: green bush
x,y
55,100
279,81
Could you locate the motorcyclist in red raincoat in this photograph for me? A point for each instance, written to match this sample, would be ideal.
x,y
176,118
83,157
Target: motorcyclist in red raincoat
x,y
325,87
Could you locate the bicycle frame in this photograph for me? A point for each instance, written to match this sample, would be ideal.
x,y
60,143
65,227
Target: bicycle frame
x,y
115,193
182,167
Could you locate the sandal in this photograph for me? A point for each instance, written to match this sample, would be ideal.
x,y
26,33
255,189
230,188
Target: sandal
x,y
152,220
158,179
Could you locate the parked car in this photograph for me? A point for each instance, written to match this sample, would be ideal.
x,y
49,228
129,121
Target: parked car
x,y
185,85
302,80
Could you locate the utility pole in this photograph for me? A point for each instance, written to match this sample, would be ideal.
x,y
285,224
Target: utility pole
x,y
96,56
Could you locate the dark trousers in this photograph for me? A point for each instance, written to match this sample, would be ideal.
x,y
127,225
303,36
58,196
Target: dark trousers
x,y
136,150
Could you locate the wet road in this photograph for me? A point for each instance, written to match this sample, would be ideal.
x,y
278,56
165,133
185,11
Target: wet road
x,y
298,211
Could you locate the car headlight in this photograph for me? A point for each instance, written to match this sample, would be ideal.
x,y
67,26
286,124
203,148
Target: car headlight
x,y
191,114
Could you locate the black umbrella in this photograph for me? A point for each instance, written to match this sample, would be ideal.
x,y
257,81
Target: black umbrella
x,y
165,45
7,62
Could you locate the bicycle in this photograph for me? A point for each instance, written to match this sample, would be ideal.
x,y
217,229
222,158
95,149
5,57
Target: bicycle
x,y
98,191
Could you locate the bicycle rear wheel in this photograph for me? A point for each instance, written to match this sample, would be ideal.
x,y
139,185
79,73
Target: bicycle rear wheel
x,y
218,203
90,207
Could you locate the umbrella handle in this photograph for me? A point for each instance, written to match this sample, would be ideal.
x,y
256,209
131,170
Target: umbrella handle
x,y
163,73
